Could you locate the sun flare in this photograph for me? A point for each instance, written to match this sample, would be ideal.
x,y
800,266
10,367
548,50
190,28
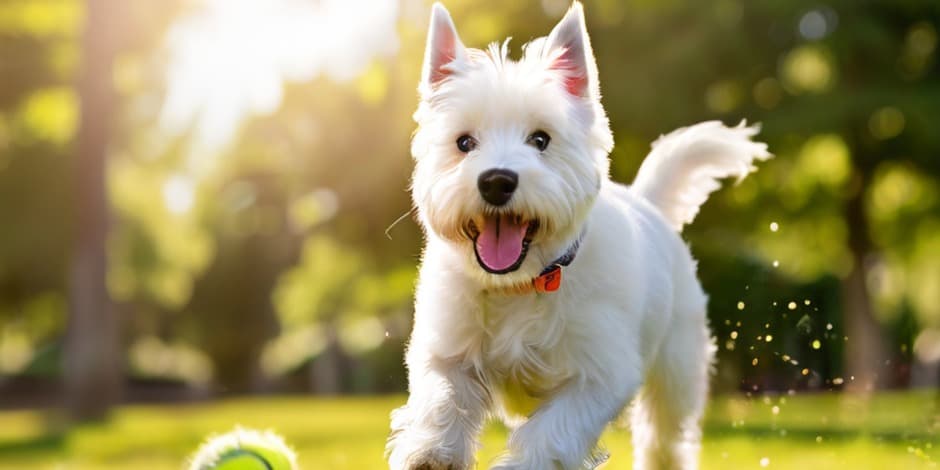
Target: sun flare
x,y
229,59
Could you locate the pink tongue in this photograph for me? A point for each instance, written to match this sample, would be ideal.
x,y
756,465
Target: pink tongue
x,y
499,244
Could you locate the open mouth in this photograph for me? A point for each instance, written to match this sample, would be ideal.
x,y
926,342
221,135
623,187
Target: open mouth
x,y
502,242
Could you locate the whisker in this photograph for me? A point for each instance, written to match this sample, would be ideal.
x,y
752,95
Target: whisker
x,y
397,221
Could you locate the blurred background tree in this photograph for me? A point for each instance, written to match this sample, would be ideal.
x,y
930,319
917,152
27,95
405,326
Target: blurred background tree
x,y
258,151
92,356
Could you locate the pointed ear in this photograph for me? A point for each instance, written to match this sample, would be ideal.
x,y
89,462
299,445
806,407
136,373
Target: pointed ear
x,y
570,54
443,47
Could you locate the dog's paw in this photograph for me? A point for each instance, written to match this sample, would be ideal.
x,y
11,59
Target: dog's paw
x,y
433,461
424,459
413,445
506,466
434,465
507,462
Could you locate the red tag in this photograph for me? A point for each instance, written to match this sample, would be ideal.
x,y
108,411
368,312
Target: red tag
x,y
548,282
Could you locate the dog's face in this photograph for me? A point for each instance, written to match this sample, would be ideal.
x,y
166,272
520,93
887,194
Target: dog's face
x,y
509,155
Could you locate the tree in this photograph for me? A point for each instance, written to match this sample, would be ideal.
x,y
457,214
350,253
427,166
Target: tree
x,y
93,367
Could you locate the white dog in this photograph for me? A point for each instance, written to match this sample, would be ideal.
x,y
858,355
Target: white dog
x,y
548,294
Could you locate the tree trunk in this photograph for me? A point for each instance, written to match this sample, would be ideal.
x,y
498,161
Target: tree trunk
x,y
865,351
326,370
92,362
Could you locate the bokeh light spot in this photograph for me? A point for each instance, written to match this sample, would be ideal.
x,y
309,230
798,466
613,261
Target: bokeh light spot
x,y
886,123
807,69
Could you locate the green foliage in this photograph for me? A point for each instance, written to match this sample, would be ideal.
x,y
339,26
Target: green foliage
x,y
320,285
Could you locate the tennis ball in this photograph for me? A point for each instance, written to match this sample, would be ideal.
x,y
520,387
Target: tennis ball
x,y
244,449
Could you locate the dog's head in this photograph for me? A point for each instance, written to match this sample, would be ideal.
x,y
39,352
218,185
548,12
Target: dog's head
x,y
510,155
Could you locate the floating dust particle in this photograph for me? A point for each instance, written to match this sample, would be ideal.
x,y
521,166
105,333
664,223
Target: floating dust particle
x,y
805,325
734,335
729,345
764,462
740,305
805,371
791,305
785,357
837,381
774,227
776,264
760,337
768,338
806,302
818,439
829,326
816,344
775,410
754,362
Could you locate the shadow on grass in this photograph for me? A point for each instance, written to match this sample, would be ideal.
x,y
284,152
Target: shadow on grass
x,y
40,444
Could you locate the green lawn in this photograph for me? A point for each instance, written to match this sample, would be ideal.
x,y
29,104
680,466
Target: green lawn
x,y
891,431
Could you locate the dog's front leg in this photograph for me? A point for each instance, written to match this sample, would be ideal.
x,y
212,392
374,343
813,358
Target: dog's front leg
x,y
438,427
448,397
562,434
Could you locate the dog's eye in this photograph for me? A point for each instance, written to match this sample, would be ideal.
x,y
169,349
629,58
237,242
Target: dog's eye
x,y
539,140
465,143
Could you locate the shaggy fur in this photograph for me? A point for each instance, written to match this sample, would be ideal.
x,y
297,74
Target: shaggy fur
x,y
628,322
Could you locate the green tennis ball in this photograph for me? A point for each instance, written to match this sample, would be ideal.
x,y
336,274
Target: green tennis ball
x,y
244,449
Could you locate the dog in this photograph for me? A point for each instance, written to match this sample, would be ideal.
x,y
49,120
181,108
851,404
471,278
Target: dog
x,y
550,296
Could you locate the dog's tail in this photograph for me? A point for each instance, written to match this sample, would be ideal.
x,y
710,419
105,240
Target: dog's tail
x,y
684,167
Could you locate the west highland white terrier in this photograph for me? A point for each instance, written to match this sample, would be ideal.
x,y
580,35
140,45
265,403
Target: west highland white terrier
x,y
550,296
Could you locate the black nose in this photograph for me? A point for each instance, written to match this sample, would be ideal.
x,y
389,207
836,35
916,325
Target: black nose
x,y
496,186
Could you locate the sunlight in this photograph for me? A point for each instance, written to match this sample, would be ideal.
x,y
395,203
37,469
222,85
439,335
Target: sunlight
x,y
229,59
178,194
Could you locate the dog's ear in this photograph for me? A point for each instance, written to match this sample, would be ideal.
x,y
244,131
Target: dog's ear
x,y
443,48
570,55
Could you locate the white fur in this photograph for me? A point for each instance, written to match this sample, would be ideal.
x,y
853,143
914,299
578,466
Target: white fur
x,y
685,166
630,312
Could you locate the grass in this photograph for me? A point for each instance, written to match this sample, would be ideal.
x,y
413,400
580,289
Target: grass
x,y
894,430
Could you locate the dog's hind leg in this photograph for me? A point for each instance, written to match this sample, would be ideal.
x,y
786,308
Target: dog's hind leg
x,y
666,415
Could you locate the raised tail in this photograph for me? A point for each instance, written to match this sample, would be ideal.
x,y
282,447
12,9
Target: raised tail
x,y
685,166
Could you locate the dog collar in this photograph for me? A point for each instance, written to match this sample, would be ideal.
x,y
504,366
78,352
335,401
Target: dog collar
x,y
549,280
